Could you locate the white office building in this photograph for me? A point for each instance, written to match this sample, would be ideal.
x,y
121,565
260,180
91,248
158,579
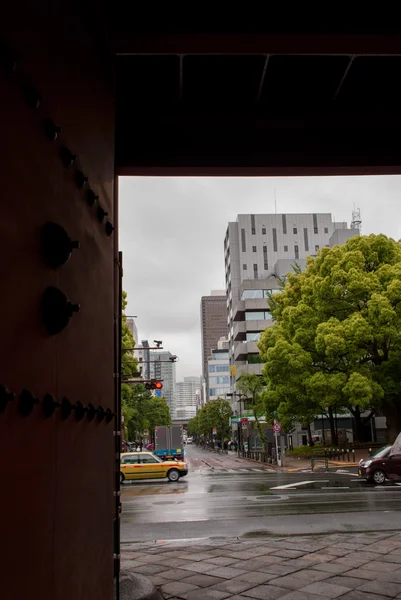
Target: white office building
x,y
187,397
157,364
258,250
218,366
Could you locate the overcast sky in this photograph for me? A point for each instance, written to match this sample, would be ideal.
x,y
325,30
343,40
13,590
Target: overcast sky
x,y
172,232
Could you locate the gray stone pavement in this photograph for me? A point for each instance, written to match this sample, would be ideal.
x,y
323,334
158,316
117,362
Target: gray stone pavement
x,y
353,566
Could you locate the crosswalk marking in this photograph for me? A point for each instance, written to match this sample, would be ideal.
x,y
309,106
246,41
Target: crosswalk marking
x,y
221,470
294,485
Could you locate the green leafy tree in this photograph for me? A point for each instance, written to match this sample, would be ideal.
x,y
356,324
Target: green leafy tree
x,y
215,413
157,413
337,334
129,366
252,387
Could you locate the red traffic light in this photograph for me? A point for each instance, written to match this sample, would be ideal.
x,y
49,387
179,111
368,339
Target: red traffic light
x,y
154,385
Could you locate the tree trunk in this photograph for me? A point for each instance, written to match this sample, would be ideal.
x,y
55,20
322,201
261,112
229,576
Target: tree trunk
x,y
358,424
334,436
311,443
392,411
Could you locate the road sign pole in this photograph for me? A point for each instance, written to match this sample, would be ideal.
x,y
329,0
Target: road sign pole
x,y
276,438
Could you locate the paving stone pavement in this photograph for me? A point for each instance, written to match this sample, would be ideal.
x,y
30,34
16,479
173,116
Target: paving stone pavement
x,y
353,566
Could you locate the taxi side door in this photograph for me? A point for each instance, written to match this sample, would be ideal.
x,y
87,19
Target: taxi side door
x,y
151,467
130,466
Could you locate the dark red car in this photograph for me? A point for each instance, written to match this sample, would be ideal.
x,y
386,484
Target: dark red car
x,y
381,468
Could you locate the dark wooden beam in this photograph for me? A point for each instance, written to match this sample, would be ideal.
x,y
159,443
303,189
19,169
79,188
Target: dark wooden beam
x,y
222,148
334,44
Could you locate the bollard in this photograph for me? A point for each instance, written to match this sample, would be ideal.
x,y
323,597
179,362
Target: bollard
x,y
353,455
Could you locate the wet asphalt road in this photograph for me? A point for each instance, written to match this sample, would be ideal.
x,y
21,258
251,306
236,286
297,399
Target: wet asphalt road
x,y
226,496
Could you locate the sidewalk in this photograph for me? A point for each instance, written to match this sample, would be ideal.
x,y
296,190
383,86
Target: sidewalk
x,y
353,566
299,464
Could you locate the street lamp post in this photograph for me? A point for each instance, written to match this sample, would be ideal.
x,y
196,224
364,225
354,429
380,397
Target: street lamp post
x,y
240,398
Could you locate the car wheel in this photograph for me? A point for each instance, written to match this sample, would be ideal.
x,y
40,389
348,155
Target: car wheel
x,y
173,475
122,478
379,477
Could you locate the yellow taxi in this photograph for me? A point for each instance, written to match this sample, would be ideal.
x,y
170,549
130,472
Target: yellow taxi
x,y
145,465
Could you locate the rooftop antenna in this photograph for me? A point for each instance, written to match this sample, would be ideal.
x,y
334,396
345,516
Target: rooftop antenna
x,y
356,222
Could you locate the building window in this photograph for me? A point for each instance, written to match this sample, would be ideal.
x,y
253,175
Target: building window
x,y
219,356
253,337
244,267
263,230
266,264
222,368
243,240
296,251
219,391
316,248
253,248
255,271
275,240
253,226
219,380
326,230
315,228
295,230
251,294
306,239
285,248
284,217
259,315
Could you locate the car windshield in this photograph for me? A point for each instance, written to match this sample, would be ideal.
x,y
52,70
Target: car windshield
x,y
380,453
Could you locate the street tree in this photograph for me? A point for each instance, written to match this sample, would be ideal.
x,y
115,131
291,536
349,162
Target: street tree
x,y
215,414
129,366
252,387
337,334
157,413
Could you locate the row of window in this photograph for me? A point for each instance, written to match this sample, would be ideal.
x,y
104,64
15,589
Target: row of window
x,y
260,315
219,368
252,337
219,380
219,391
220,356
255,294
274,234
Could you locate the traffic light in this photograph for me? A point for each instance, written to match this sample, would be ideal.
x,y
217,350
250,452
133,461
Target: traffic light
x,y
154,385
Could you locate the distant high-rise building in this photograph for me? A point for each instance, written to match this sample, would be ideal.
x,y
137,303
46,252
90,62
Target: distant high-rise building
x,y
259,250
219,370
213,327
157,364
187,397
133,328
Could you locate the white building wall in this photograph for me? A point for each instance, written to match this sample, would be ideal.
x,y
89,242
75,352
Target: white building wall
x,y
186,397
273,243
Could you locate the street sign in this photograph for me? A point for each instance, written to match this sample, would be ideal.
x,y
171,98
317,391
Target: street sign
x,y
277,427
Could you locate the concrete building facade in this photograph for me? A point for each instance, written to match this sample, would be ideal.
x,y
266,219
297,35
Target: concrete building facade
x,y
219,370
160,366
213,317
258,251
187,397
133,328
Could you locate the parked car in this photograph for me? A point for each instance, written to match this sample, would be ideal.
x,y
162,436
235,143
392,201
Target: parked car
x,y
145,465
189,440
380,466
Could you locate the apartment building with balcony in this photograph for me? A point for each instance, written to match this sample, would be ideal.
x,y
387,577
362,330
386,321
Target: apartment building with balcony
x,y
258,251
